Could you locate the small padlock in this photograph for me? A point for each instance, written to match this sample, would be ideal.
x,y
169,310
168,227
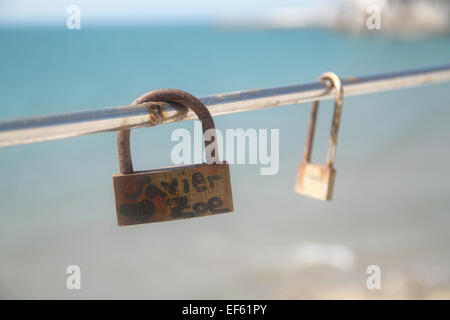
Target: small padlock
x,y
316,180
171,193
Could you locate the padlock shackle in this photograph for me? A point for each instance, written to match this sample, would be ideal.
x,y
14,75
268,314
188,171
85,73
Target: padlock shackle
x,y
334,81
166,95
331,80
311,130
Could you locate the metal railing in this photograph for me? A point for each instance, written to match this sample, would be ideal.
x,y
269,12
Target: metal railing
x,y
35,129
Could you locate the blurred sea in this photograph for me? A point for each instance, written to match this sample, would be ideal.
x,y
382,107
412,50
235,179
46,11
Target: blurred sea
x,y
391,201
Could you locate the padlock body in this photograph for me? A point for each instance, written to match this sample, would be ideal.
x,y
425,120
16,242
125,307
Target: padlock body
x,y
315,180
171,193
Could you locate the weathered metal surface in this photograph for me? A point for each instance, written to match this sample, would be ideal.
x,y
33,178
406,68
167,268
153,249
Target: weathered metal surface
x,y
35,129
315,180
174,192
168,95
335,83
311,131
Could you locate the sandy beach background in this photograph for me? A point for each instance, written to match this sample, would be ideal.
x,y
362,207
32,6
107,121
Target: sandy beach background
x,y
391,203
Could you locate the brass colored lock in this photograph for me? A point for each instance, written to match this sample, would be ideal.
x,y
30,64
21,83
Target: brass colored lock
x,y
170,193
316,180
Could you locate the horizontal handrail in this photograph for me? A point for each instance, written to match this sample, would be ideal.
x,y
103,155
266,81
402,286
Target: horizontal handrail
x,y
35,129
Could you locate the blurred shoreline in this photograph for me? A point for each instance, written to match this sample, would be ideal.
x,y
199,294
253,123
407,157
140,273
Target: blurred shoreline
x,y
398,18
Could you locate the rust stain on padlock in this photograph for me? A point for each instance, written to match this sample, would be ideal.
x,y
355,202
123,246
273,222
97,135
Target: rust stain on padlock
x,y
170,193
156,112
316,180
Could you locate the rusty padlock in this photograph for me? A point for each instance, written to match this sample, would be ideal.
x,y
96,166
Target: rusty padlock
x,y
316,180
177,192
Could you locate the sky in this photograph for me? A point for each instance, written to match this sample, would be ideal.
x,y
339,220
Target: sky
x,y
129,11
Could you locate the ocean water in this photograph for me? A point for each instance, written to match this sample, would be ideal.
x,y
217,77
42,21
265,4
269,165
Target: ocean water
x,y
391,201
